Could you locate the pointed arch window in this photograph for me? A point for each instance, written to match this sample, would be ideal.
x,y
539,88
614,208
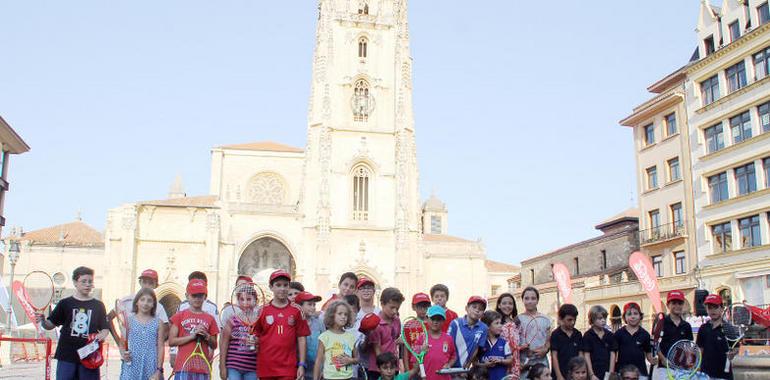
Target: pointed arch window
x,y
361,176
362,102
363,7
362,47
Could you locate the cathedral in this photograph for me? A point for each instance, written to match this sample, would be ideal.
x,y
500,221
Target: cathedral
x,y
348,201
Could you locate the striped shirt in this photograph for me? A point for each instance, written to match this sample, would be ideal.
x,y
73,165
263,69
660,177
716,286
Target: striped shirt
x,y
238,354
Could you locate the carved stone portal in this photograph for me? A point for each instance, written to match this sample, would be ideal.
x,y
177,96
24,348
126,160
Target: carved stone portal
x,y
263,256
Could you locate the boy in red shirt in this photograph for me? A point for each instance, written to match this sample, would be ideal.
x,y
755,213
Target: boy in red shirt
x,y
189,325
282,332
384,337
439,293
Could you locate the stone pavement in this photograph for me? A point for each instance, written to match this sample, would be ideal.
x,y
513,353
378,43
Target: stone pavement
x,y
36,371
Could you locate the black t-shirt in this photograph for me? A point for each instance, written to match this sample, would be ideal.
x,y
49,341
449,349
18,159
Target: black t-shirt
x,y
566,348
632,348
77,319
714,349
600,349
672,333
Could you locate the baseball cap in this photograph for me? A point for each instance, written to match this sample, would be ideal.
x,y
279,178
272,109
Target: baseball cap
x,y
713,299
675,295
420,298
369,322
306,296
197,287
280,273
629,305
364,281
149,273
436,310
475,299
244,277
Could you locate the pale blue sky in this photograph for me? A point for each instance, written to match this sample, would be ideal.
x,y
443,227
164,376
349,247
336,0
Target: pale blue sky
x,y
516,103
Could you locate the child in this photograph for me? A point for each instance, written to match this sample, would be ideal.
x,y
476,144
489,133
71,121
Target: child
x,y
336,347
420,305
209,307
577,368
537,351
347,285
441,349
295,287
496,357
352,301
565,341
387,365
469,333
712,342
633,340
237,345
630,372
282,333
506,306
189,326
79,316
539,372
146,343
307,302
675,328
599,345
365,293
439,293
384,337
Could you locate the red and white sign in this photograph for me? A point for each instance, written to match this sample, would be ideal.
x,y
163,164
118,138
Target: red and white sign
x,y
21,295
563,281
642,267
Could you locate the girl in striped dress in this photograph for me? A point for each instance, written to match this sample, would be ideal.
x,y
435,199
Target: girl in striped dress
x,y
236,357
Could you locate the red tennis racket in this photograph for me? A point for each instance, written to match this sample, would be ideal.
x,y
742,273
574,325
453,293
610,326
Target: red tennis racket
x,y
39,291
245,304
121,319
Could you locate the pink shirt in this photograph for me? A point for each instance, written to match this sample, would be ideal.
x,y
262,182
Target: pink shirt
x,y
386,336
441,350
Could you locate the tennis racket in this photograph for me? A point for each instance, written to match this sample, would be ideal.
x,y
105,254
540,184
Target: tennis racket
x,y
121,319
197,366
415,335
655,333
535,336
735,329
39,291
245,304
683,360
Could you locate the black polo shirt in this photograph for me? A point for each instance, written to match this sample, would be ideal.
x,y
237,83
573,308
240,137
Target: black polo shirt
x,y
714,348
600,349
672,333
566,348
632,348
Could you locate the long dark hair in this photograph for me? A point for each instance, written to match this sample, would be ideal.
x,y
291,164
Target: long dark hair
x,y
514,312
144,292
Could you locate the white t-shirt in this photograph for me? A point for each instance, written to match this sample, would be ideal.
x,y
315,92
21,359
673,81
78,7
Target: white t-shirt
x,y
160,312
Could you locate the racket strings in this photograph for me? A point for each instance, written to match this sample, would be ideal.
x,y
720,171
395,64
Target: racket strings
x,y
39,288
196,363
684,355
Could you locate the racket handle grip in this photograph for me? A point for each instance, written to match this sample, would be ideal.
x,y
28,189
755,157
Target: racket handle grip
x,y
422,371
727,365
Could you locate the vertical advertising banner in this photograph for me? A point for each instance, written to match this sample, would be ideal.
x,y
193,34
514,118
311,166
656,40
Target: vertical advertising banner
x,y
563,281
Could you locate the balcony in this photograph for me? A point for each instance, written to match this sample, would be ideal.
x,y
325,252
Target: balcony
x,y
661,233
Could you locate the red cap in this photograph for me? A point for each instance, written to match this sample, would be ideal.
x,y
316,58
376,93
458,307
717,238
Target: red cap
x,y
244,277
149,273
369,322
280,273
420,298
364,281
306,296
675,295
629,305
713,299
475,299
197,287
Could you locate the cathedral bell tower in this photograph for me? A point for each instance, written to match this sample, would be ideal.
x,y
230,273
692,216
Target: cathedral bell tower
x,y
360,176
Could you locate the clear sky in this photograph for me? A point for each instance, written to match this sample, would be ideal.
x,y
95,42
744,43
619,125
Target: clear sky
x,y
516,103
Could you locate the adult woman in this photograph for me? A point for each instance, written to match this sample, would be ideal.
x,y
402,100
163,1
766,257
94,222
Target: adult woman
x,y
506,306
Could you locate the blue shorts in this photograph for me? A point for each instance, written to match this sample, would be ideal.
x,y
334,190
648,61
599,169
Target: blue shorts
x,y
75,371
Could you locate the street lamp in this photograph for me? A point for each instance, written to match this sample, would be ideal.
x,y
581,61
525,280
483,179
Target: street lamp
x,y
13,256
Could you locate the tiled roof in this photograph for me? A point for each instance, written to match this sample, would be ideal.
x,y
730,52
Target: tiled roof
x,y
496,266
445,238
199,201
75,233
268,146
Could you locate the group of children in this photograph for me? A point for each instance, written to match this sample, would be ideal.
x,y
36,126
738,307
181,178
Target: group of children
x,y
351,337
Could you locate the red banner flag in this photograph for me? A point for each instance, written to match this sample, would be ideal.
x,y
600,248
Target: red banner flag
x,y
563,281
642,267
21,295
759,315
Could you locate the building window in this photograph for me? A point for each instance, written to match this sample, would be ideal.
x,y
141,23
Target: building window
x,y
674,173
764,116
679,262
763,11
604,259
577,266
363,8
708,44
363,103
741,127
723,237
652,178
362,46
746,179
654,216
657,264
767,281
766,164
749,229
709,90
671,124
361,193
736,76
735,31
677,216
649,135
762,64
715,138
532,275
718,187
435,224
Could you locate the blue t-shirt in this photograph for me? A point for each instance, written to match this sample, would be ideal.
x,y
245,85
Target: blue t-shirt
x,y
467,338
497,349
